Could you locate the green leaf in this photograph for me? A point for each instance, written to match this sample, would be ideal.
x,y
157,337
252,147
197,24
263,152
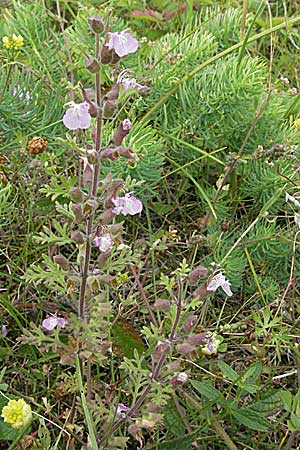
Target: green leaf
x,y
182,443
287,399
206,389
228,372
294,422
251,419
173,421
126,339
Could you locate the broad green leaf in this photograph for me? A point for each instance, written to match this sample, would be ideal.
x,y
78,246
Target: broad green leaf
x,y
207,390
294,422
251,419
252,373
126,339
227,371
287,399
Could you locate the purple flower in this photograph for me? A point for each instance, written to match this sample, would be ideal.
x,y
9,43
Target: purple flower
x,y
131,83
4,330
122,43
104,242
217,281
77,116
127,205
121,409
53,322
126,124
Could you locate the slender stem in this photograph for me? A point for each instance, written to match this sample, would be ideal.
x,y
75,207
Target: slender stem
x,y
244,15
142,292
84,274
87,414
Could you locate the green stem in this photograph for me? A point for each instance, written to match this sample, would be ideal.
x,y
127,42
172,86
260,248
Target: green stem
x,y
87,414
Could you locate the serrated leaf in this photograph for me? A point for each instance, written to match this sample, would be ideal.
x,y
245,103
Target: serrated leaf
x,y
250,419
126,339
182,443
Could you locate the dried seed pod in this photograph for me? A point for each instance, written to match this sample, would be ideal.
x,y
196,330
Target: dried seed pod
x,y
37,145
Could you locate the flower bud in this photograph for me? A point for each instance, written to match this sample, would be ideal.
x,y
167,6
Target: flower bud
x,y
110,153
90,206
92,65
196,274
122,131
96,23
78,237
179,379
162,305
185,348
76,195
113,94
198,339
161,348
109,56
189,323
77,210
116,228
201,291
106,217
92,156
109,108
92,110
61,261
102,259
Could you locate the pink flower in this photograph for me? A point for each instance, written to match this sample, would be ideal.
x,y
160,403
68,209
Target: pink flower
x,y
121,409
77,116
131,83
53,322
127,205
104,242
122,43
217,281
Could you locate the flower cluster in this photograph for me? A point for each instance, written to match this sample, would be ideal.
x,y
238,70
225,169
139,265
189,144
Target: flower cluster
x,y
13,42
17,413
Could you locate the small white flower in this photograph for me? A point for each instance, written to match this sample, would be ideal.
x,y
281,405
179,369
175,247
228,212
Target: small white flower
x,y
292,199
217,281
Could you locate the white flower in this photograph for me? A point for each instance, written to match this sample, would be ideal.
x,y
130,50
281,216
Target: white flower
x,y
292,199
217,281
